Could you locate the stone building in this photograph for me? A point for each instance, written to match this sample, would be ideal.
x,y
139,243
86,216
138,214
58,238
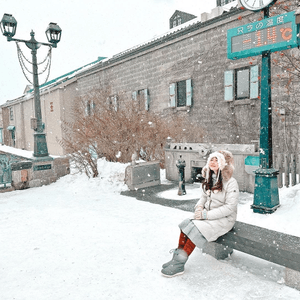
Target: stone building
x,y
185,71
57,97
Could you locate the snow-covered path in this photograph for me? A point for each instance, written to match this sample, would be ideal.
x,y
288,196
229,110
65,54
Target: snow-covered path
x,y
80,239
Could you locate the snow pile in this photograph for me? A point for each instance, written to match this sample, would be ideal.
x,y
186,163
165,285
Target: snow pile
x,y
286,218
80,239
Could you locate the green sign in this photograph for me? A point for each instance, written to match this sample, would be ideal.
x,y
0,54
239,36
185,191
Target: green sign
x,y
41,167
252,161
270,34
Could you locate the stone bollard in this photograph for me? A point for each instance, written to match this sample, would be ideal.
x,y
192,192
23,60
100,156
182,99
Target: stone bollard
x,y
180,164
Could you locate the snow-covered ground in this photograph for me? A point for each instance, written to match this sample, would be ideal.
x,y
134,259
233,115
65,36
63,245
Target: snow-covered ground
x,y
80,239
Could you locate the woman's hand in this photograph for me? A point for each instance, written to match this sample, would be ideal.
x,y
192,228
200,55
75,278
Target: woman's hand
x,y
198,208
200,213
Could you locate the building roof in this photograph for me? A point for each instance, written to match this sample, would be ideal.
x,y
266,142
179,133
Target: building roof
x,y
69,75
172,34
182,13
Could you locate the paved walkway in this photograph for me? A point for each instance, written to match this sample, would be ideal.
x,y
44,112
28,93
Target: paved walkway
x,y
167,195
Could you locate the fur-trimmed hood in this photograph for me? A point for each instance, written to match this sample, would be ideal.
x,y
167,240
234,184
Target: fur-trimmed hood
x,y
225,162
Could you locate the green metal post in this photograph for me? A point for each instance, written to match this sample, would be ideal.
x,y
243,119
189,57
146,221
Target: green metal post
x,y
40,144
266,198
53,33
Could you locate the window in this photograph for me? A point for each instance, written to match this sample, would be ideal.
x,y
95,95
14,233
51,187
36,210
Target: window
x,y
112,102
11,113
1,135
241,83
177,21
142,99
242,78
224,2
89,108
181,93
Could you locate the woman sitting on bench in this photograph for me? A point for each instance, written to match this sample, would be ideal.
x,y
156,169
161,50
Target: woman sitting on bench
x,y
215,212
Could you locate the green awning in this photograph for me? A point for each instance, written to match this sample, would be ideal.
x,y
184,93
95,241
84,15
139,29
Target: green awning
x,y
11,127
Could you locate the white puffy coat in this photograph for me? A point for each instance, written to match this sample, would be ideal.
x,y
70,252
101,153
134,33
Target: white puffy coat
x,y
221,210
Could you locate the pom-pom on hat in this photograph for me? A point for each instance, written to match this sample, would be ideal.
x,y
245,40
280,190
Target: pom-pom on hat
x,y
225,163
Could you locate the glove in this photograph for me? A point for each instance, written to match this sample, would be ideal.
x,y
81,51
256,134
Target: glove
x,y
200,214
198,208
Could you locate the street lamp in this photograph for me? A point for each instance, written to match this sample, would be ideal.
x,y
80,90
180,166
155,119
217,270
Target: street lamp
x,y
8,27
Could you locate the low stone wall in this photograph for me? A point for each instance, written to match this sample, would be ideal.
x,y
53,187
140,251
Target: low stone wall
x,y
38,172
195,156
142,175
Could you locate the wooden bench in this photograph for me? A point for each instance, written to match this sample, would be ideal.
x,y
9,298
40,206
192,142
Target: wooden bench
x,y
270,245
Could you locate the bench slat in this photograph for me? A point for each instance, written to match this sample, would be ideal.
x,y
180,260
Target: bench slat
x,y
273,246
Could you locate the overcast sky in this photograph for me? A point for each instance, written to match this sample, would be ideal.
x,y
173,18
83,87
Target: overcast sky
x,y
90,28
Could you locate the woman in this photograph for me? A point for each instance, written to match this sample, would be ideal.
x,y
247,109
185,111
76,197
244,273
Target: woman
x,y
215,212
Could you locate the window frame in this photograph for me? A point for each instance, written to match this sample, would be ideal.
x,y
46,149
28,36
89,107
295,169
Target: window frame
x,y
173,94
89,108
113,102
11,113
230,83
236,97
142,99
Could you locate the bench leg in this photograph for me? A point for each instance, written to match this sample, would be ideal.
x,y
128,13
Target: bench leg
x,y
292,278
216,250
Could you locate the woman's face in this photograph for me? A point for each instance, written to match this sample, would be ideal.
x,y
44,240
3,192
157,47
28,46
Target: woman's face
x,y
213,164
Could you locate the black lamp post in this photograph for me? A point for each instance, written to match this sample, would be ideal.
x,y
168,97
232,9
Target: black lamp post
x,y
8,27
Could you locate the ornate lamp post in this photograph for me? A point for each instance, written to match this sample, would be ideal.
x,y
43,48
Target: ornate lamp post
x,y
8,27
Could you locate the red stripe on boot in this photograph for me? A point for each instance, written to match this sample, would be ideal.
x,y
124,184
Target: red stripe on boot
x,y
189,247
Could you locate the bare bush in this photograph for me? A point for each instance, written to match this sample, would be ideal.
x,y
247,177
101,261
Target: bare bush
x,y
100,128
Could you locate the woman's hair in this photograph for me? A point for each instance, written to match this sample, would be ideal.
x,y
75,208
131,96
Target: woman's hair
x,y
208,183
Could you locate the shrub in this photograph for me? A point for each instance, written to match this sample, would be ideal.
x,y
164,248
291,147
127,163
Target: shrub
x,y
101,129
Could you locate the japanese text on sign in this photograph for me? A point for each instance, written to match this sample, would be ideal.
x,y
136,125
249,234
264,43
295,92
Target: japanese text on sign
x,y
272,34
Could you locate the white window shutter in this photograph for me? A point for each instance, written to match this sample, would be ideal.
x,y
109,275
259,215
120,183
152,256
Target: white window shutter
x,y
134,95
147,99
228,84
93,107
172,95
115,102
189,92
254,82
87,108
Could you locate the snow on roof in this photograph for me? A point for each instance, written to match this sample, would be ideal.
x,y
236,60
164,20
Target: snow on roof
x,y
15,151
18,152
157,37
69,75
